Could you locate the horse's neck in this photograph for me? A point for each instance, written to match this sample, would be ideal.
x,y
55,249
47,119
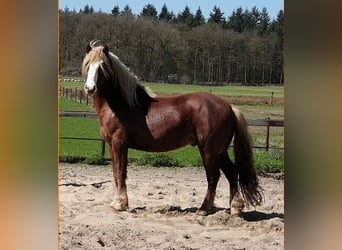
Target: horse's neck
x,y
113,104
100,103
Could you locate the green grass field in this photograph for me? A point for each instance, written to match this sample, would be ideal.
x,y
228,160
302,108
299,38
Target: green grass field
x,y
67,104
268,161
230,90
164,88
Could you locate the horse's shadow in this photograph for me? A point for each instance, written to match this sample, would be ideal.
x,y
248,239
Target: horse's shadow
x,y
259,216
249,216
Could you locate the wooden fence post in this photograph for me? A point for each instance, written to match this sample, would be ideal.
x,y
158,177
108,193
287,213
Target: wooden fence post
x,y
81,95
268,135
103,148
271,99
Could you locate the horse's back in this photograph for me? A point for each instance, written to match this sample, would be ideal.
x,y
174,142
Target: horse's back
x,y
201,104
208,117
197,100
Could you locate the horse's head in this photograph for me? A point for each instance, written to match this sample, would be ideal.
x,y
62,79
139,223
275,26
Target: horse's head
x,y
107,76
96,67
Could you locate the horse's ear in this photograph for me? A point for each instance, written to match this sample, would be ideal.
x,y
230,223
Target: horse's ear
x,y
88,48
105,50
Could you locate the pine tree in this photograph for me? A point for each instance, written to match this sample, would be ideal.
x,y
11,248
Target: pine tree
x,y
255,17
66,10
164,14
198,18
264,21
236,20
216,16
247,22
186,16
149,11
127,11
280,17
277,26
86,9
116,11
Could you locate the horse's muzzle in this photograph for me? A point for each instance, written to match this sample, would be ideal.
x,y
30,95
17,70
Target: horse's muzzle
x,y
89,91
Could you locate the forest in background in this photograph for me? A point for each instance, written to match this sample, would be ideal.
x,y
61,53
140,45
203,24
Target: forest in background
x,y
246,47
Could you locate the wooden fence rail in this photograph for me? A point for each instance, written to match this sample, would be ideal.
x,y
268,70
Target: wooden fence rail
x,y
250,122
75,94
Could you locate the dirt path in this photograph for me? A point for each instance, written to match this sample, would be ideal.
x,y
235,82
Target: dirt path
x,y
163,202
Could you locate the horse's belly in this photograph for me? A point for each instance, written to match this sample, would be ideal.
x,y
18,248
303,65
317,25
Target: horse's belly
x,y
166,128
163,143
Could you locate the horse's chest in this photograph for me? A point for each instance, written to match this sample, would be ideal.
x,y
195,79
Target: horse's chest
x,y
106,134
109,125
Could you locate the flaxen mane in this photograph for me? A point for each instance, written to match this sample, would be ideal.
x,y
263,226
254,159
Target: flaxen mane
x,y
134,94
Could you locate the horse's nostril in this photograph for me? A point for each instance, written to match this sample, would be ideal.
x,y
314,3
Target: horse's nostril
x,y
89,90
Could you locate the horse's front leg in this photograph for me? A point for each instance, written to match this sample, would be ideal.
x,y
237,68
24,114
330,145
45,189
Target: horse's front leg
x,y
119,161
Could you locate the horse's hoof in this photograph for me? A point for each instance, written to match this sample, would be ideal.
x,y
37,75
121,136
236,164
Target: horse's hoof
x,y
238,204
236,215
202,212
118,207
235,211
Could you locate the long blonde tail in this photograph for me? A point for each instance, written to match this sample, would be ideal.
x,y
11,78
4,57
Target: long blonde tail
x,y
248,179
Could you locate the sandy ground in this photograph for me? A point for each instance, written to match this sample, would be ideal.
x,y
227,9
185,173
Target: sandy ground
x,y
162,214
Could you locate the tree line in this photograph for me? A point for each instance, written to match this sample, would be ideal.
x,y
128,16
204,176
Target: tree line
x,y
246,47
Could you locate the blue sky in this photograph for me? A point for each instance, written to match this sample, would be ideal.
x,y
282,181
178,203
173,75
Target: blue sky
x,y
226,6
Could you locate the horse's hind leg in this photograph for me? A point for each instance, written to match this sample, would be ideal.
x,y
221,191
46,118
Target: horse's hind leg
x,y
213,175
230,171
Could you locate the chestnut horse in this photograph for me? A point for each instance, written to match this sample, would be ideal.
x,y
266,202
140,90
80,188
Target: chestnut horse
x,y
131,118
